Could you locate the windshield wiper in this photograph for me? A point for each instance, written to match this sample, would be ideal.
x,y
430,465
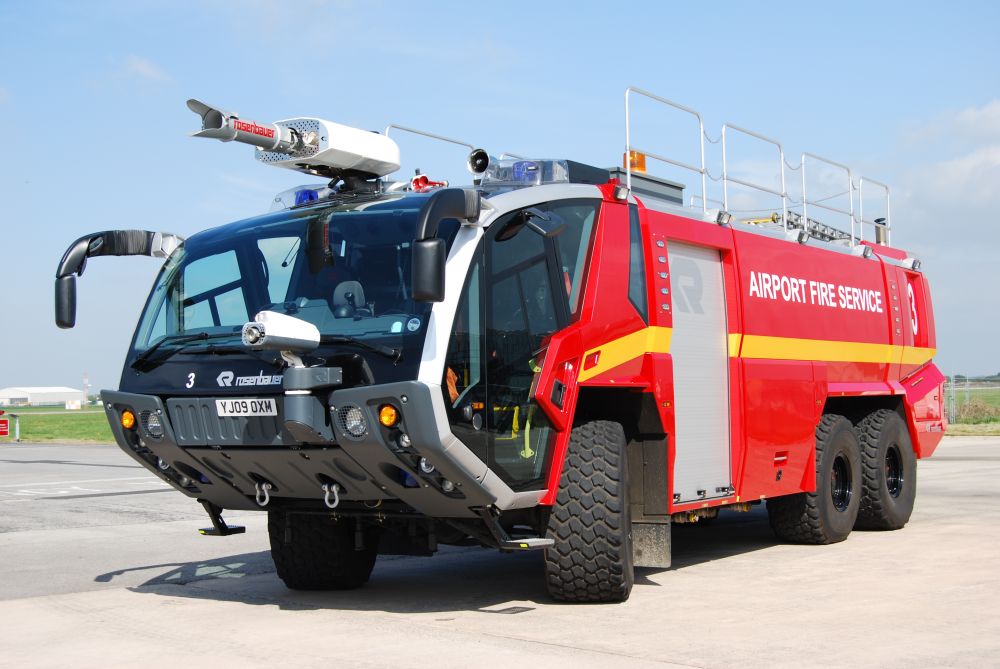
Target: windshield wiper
x,y
393,354
145,360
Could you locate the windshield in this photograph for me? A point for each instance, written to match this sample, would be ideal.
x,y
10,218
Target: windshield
x,y
344,268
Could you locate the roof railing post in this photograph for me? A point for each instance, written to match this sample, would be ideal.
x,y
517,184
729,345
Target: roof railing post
x,y
629,147
783,194
725,172
849,212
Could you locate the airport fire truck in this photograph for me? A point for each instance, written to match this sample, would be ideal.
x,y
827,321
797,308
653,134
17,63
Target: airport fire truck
x,y
558,357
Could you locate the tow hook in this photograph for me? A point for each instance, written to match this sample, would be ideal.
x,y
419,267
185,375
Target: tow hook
x,y
263,495
331,489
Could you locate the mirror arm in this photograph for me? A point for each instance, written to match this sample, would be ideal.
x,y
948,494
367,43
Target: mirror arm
x,y
461,203
107,243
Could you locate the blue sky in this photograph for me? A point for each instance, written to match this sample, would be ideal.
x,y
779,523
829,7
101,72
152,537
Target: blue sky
x,y
92,104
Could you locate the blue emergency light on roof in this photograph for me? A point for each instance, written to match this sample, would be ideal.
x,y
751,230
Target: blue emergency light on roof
x,y
300,195
521,173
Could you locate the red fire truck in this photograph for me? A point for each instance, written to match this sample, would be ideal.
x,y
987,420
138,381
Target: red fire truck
x,y
559,358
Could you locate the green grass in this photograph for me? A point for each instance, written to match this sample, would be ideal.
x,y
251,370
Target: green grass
x,y
973,430
980,417
977,406
990,395
57,408
65,426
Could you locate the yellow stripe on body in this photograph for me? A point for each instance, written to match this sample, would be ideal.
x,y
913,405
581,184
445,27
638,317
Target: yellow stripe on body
x,y
913,355
735,339
616,352
824,350
657,340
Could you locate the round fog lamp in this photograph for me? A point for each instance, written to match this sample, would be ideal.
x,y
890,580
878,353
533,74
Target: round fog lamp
x,y
447,485
354,421
426,466
388,415
404,440
128,419
153,424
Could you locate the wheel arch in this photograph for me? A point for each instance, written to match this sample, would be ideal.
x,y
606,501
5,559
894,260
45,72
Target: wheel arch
x,y
634,408
650,480
855,408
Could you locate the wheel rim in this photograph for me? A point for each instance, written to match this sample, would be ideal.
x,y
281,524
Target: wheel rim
x,y
840,483
893,471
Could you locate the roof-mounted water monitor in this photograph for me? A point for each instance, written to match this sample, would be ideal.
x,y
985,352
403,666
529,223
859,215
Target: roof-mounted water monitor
x,y
309,145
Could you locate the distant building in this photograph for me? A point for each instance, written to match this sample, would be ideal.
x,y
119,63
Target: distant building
x,y
41,396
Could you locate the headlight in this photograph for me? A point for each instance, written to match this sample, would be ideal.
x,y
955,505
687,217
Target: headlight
x,y
352,421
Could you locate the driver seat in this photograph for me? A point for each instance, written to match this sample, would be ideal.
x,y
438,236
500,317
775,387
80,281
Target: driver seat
x,y
345,287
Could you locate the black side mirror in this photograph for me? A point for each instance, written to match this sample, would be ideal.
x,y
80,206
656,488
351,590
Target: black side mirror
x,y
428,249
428,270
66,301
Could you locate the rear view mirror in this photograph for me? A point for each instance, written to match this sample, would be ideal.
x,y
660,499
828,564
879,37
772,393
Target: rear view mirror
x,y
429,252
548,225
428,270
66,301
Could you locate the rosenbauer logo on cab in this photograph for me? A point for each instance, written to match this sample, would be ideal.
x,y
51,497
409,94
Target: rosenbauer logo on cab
x,y
819,293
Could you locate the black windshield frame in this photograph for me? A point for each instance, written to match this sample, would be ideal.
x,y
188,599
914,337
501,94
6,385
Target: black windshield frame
x,y
372,239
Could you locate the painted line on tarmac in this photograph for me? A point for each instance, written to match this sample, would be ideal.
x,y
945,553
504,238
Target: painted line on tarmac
x,y
107,494
35,495
26,485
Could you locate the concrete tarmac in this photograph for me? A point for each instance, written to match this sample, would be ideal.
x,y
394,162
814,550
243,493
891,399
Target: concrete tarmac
x,y
103,567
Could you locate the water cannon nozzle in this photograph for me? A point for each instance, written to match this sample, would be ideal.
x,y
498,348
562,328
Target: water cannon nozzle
x,y
227,126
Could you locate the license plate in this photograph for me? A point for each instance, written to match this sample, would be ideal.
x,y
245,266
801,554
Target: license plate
x,y
248,407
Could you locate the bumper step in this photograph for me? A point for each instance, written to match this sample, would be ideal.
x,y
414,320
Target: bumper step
x,y
219,526
528,544
504,541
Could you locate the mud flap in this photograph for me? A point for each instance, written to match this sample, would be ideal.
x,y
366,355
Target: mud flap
x,y
651,544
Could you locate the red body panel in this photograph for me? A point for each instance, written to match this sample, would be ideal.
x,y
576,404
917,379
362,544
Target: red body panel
x,y
805,325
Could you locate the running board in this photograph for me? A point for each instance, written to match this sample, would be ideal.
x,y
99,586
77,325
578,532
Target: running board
x,y
507,543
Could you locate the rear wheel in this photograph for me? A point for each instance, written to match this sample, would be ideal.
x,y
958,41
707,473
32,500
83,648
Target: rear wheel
x,y
591,560
827,515
889,472
315,552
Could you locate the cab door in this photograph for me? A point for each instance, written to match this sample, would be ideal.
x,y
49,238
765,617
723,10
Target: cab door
x,y
526,301
520,290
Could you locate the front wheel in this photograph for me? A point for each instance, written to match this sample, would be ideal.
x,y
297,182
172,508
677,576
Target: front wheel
x,y
316,552
591,560
827,515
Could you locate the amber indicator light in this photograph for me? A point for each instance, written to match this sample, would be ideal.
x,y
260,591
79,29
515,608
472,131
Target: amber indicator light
x,y
388,415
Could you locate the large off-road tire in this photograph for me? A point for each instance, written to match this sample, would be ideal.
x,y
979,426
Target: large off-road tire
x,y
888,472
827,515
590,523
315,552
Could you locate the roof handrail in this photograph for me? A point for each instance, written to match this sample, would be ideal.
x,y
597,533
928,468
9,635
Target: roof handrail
x,y
629,148
881,229
819,203
781,165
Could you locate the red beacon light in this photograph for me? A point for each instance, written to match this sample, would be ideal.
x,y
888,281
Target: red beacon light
x,y
422,182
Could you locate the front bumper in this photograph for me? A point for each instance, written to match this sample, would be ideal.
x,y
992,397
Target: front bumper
x,y
226,460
